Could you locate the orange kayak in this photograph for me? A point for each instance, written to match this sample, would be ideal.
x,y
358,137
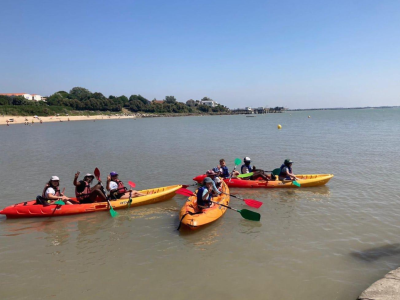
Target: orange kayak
x,y
30,209
193,217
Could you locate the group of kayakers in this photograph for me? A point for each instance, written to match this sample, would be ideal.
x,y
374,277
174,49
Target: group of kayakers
x,y
84,192
212,183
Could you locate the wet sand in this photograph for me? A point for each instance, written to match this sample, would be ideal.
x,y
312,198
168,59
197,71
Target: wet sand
x,y
32,119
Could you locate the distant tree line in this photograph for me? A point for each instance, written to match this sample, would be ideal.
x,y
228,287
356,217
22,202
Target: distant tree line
x,y
80,98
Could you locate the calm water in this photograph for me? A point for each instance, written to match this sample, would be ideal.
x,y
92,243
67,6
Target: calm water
x,y
328,242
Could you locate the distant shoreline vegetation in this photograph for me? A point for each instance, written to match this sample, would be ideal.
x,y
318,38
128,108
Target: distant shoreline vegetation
x,y
81,99
343,108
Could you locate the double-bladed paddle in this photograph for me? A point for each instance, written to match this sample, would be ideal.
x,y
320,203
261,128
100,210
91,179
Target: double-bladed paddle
x,y
249,202
113,213
132,185
237,162
245,213
245,175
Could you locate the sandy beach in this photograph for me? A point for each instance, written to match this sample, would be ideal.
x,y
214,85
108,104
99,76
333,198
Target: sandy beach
x,y
37,120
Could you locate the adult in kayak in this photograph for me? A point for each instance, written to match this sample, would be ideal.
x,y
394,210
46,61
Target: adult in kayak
x,y
224,171
204,194
286,171
84,193
117,189
51,192
246,168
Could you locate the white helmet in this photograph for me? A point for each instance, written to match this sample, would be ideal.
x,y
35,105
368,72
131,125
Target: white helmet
x,y
247,159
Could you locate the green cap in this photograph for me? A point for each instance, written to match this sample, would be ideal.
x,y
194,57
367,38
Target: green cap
x,y
288,161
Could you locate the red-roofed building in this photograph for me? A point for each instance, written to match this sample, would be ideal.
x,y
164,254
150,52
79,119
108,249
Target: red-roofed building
x,y
158,101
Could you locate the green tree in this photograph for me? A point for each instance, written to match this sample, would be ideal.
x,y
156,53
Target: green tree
x,y
80,93
170,99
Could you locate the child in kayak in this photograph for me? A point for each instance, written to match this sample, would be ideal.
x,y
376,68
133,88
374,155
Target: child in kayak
x,y
118,190
204,194
51,192
216,181
84,193
223,171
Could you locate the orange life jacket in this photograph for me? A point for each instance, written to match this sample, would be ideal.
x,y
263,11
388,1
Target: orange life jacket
x,y
84,194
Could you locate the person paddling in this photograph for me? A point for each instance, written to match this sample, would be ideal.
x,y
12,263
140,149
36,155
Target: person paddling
x,y
286,171
84,193
246,168
118,190
204,194
51,192
224,171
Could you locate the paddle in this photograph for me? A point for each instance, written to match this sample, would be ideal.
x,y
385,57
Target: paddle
x,y
245,213
249,202
60,202
237,162
113,213
187,185
132,185
245,175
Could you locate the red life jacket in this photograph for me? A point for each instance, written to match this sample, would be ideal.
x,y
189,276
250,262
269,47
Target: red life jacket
x,y
84,194
57,189
120,189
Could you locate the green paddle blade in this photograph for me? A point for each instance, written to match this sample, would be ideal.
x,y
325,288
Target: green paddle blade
x,y
296,183
276,171
237,161
250,215
59,202
113,213
245,175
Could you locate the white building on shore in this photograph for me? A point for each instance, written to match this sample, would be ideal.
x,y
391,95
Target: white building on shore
x,y
210,103
33,97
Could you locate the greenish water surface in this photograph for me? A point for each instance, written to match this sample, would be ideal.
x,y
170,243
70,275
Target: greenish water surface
x,y
328,242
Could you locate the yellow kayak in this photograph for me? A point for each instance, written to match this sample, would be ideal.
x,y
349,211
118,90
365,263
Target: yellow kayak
x,y
305,180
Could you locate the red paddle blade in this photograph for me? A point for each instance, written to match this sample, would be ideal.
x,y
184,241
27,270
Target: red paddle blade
x,y
184,192
253,203
132,184
97,173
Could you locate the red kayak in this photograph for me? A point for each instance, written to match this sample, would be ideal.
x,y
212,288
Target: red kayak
x,y
31,209
305,180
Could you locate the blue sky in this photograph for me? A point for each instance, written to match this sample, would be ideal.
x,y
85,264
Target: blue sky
x,y
297,54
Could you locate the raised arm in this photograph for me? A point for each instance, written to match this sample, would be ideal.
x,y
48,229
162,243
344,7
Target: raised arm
x,y
76,182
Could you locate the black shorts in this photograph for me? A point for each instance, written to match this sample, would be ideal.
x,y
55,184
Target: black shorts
x,y
116,196
86,200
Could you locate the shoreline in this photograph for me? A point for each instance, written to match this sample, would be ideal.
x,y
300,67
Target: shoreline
x,y
32,120
36,120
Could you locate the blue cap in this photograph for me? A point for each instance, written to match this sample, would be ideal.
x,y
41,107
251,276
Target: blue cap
x,y
113,174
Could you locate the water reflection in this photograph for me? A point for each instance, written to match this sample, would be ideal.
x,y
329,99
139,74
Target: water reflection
x,y
376,253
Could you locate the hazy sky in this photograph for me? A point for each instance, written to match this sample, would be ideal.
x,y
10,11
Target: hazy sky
x,y
297,54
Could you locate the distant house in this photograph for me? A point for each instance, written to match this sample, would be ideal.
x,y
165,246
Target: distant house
x,y
158,101
34,97
210,103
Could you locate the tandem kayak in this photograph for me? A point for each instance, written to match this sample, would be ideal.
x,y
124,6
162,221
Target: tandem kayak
x,y
30,209
193,217
305,180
